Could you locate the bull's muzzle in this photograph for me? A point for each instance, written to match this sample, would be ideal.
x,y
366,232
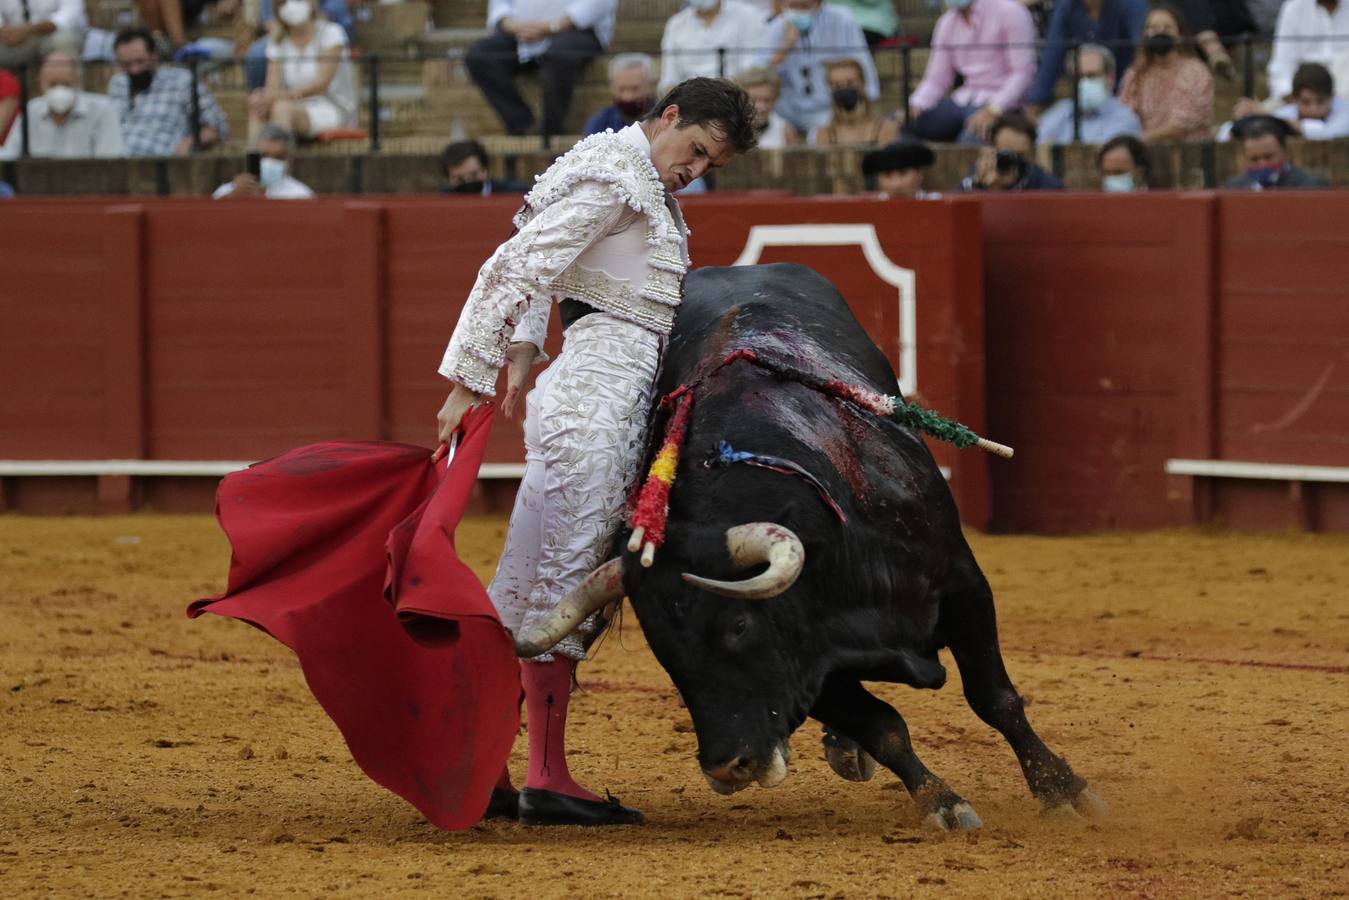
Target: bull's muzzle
x,y
740,772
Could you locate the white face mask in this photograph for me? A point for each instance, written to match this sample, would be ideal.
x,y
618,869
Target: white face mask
x,y
295,12
60,98
270,171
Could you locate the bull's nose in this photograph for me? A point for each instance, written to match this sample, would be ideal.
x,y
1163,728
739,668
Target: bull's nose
x,y
739,769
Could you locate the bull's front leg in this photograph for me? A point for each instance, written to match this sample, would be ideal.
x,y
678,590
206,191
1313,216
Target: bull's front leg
x,y
848,709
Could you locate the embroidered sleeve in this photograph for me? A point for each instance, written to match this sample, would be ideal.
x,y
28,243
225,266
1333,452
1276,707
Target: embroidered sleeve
x,y
516,279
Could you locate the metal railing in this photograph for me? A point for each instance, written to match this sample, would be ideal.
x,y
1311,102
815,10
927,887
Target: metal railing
x,y
373,68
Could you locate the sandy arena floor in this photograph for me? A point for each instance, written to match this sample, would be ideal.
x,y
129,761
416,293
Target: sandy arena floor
x,y
1200,682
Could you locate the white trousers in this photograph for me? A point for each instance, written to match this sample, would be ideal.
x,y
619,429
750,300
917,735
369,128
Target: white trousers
x,y
585,433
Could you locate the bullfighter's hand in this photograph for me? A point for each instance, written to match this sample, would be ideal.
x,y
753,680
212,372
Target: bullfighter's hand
x,y
520,357
460,401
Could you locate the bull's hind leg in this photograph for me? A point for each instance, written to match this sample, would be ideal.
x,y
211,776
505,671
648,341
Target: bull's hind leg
x,y
847,708
970,626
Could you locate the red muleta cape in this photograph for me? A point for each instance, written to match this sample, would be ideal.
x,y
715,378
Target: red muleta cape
x,y
344,552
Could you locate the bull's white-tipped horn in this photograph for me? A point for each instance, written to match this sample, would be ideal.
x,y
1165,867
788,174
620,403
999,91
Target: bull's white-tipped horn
x,y
752,545
604,585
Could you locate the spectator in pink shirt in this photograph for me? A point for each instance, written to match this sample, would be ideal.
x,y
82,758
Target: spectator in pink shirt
x,y
991,45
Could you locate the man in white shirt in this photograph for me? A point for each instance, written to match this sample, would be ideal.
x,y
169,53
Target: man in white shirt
x,y
602,235
273,180
65,122
1307,31
31,29
713,38
559,37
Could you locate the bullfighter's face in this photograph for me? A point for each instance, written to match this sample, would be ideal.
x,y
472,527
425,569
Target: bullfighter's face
x,y
682,152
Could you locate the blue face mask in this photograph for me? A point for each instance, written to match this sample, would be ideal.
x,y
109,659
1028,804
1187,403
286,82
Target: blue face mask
x,y
1092,94
271,171
1118,184
803,21
1265,176
959,4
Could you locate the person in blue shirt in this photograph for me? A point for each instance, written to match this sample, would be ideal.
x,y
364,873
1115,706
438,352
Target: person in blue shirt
x,y
632,87
1117,24
1103,116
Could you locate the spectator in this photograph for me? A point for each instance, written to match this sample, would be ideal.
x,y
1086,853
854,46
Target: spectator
x,y
65,122
558,36
273,180
1006,164
991,45
155,104
853,121
877,18
309,86
171,17
796,45
1315,113
898,169
1102,115
696,36
1307,31
1169,89
466,168
1124,165
763,87
1117,24
632,87
6,192
1264,151
32,29
10,94
251,35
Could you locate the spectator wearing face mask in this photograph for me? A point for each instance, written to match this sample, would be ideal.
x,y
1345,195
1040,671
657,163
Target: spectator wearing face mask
x,y
33,29
763,87
65,122
1006,164
1315,112
465,166
309,87
898,169
273,180
155,103
991,45
796,45
1167,86
703,36
1102,115
854,122
251,34
1116,23
1264,152
632,87
1124,165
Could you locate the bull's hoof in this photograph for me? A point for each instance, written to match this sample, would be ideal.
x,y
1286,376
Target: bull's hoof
x,y
957,817
849,761
1086,804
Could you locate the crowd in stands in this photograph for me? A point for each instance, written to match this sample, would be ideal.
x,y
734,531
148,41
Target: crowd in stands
x,y
1004,75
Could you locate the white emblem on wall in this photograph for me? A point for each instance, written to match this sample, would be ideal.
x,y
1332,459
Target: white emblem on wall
x,y
864,236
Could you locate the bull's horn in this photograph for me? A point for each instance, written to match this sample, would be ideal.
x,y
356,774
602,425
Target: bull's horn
x,y
604,585
755,544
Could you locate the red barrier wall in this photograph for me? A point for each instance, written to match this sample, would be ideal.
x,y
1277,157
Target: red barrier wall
x,y
1121,333
193,330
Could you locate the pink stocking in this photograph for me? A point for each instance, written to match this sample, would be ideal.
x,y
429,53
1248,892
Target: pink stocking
x,y
547,692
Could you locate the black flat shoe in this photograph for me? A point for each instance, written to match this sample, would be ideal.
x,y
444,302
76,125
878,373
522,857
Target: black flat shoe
x,y
540,807
503,805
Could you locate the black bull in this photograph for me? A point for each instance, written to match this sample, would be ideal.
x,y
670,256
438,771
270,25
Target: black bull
x,y
888,577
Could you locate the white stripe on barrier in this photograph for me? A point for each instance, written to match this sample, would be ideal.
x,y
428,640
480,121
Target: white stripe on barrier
x,y
1221,468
